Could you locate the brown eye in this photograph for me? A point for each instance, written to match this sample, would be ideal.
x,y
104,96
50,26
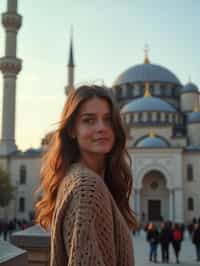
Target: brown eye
x,y
89,121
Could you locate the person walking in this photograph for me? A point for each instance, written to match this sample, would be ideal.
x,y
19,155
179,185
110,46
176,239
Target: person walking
x,y
153,239
196,240
165,239
177,237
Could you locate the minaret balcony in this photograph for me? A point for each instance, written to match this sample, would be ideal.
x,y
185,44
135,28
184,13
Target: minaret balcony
x,y
11,21
10,65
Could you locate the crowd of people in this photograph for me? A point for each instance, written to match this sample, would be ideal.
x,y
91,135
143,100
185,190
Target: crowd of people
x,y
8,227
163,235
171,234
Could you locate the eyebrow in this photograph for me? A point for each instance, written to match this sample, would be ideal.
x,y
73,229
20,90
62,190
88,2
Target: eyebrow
x,y
93,114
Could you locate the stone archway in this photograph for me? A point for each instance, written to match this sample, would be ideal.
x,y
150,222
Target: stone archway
x,y
154,197
156,167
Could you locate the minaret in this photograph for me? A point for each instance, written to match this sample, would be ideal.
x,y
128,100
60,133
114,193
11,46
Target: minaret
x,y
10,66
70,86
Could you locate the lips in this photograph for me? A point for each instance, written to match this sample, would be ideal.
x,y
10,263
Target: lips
x,y
101,140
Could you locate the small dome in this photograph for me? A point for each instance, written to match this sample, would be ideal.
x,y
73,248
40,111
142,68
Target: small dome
x,y
143,72
193,148
148,104
189,87
193,117
152,142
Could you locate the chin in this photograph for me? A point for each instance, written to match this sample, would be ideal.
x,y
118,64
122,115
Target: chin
x,y
103,151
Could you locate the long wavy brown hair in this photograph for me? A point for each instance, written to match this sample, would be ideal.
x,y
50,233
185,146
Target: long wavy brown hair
x,y
63,151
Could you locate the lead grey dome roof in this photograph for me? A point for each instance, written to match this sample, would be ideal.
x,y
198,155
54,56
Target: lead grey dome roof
x,y
193,117
144,72
152,142
189,87
148,104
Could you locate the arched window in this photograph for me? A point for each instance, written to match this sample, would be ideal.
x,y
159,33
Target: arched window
x,y
140,117
133,118
157,91
137,91
118,92
190,204
149,116
190,176
158,117
168,91
21,204
22,175
167,117
173,118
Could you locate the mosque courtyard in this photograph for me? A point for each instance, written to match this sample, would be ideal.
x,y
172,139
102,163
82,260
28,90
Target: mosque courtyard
x,y
187,254
141,250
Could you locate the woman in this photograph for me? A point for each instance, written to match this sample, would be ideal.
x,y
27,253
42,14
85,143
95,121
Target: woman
x,y
165,239
196,240
177,237
86,182
153,239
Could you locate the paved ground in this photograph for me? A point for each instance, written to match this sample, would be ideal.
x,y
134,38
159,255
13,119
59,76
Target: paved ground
x,y
187,255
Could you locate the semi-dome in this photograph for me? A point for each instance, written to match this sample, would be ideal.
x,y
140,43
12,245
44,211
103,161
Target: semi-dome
x,y
143,72
152,142
189,87
193,117
143,104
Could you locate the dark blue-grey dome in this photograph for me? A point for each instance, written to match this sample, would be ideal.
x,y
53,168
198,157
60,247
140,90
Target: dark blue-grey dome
x,y
152,142
148,104
144,72
193,117
189,87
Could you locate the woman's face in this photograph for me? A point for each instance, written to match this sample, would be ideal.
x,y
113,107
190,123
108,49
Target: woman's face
x,y
93,128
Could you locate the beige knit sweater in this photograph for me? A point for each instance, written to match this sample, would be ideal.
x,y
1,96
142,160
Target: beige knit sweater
x,y
87,228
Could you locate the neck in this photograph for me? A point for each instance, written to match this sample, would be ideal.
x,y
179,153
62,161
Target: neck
x,y
95,164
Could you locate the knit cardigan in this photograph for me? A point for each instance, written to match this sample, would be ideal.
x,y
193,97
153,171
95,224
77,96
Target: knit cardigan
x,y
87,227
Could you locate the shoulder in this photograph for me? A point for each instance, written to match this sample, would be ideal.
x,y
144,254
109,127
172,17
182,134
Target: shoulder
x,y
89,196
82,182
81,177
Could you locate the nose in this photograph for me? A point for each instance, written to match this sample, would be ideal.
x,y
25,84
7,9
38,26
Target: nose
x,y
101,125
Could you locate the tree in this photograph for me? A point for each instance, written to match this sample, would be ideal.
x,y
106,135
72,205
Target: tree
x,y
6,188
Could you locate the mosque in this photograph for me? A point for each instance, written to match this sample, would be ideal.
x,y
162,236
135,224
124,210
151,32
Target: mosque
x,y
162,121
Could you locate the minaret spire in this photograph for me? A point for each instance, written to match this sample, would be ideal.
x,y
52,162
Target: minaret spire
x,y
71,56
146,58
10,66
70,85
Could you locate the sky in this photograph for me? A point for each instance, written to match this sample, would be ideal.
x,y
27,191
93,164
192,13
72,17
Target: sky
x,y
109,37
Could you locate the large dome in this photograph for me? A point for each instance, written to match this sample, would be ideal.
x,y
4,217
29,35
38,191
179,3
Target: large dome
x,y
143,104
152,142
144,72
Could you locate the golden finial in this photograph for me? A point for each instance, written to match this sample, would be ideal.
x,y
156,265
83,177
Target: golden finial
x,y
196,105
151,134
147,92
146,58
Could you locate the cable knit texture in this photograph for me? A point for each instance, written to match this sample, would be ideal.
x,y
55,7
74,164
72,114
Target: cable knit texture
x,y
87,228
